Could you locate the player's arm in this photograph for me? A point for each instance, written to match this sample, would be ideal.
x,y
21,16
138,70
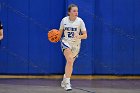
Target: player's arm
x,y
61,29
84,35
1,32
61,32
83,30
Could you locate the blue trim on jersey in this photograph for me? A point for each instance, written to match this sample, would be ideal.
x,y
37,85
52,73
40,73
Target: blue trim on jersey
x,y
64,45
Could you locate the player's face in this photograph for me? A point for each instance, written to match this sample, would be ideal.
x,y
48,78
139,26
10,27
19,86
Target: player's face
x,y
74,12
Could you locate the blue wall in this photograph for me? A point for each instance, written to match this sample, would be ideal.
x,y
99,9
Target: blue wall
x,y
112,46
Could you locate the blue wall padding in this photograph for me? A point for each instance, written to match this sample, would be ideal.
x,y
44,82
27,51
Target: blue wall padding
x,y
112,46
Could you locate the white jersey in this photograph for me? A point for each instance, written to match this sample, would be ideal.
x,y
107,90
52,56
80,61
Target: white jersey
x,y
72,28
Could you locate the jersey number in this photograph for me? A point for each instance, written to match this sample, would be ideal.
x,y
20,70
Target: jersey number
x,y
71,34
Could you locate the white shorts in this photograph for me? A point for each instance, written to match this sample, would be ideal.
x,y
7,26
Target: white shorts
x,y
73,45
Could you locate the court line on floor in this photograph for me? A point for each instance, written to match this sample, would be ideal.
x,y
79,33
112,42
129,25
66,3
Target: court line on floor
x,y
84,90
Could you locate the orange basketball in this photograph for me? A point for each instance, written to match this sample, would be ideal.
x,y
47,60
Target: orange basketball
x,y
54,35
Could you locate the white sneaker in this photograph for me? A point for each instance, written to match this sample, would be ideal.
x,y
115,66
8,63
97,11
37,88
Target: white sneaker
x,y
66,86
62,84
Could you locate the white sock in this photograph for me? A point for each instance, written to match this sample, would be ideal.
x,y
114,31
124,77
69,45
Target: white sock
x,y
67,80
64,76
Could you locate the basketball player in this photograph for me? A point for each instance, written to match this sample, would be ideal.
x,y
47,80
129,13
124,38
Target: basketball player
x,y
71,41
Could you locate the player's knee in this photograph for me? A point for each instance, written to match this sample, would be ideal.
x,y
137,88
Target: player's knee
x,y
70,64
70,61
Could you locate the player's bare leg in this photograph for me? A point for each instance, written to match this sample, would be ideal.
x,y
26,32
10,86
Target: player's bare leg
x,y
69,64
68,69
